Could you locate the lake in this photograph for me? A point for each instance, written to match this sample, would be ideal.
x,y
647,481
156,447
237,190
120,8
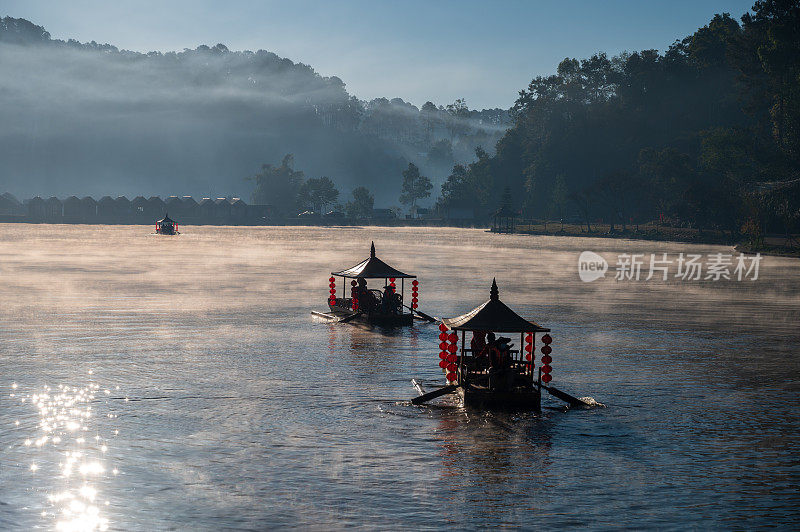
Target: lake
x,y
181,383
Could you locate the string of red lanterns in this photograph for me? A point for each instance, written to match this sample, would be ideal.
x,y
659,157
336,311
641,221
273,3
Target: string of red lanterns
x,y
448,353
414,293
332,298
546,358
452,357
443,351
529,352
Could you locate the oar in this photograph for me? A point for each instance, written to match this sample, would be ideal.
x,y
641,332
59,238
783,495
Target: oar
x,y
434,394
418,386
567,398
413,310
350,317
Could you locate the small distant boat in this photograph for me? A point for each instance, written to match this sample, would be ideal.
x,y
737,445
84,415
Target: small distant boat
x,y
384,306
167,226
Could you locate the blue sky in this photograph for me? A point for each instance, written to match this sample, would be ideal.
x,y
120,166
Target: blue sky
x,y
416,50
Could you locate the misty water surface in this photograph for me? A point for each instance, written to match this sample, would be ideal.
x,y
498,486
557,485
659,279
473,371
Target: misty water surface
x,y
180,382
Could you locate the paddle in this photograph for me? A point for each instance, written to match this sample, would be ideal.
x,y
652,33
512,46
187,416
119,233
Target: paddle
x,y
567,398
350,317
432,320
434,394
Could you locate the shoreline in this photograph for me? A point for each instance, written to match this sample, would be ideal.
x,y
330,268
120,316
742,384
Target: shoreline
x,y
773,243
649,233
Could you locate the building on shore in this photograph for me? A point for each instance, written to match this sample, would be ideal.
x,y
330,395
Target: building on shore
x,y
11,206
54,210
139,211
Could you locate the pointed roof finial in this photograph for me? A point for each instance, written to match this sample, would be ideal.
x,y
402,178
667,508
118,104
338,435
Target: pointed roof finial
x,y
494,293
372,251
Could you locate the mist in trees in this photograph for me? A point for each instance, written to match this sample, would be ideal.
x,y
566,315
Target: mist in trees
x,y
90,119
415,187
279,186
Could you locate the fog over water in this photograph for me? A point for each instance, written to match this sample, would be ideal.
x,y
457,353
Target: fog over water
x,y
154,382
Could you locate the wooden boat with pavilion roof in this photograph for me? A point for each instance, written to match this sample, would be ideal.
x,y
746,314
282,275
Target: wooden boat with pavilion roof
x,y
514,383
167,226
383,306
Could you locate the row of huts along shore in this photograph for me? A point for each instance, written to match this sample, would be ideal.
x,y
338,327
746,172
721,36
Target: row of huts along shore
x,y
140,210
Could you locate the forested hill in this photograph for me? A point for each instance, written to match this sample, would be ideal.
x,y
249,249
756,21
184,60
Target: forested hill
x,y
90,119
706,134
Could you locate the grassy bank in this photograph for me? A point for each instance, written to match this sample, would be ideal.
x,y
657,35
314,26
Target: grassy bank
x,y
772,245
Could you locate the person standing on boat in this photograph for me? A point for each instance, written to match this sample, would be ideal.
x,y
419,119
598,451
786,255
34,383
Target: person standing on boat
x,y
478,346
485,356
389,301
478,342
366,300
500,374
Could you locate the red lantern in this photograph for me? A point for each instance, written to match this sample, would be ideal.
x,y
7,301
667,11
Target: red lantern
x,y
451,367
452,348
353,283
443,346
443,355
333,291
529,338
414,305
546,369
392,279
547,339
529,348
547,359
528,357
443,327
452,357
414,300
452,377
443,336
453,337
546,378
332,279
442,364
546,349
414,282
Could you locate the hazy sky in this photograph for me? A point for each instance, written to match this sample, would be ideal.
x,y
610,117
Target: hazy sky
x,y
417,50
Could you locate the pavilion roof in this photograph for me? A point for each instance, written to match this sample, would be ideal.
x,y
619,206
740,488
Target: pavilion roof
x,y
372,268
493,315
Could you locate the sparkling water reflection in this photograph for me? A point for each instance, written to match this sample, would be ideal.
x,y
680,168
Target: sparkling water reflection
x,y
69,455
155,383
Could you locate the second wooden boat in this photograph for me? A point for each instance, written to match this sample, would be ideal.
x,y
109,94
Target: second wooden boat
x,y
384,306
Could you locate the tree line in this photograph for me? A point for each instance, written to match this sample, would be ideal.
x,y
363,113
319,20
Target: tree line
x,y
705,135
289,192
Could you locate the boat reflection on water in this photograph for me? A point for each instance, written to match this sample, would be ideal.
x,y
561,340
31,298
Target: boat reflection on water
x,y
494,461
